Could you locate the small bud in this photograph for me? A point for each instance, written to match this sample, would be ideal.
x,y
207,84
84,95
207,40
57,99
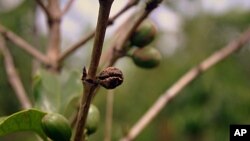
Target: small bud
x,y
110,78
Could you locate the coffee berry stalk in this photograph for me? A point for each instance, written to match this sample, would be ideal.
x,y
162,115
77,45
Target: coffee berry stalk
x,y
56,127
147,57
143,35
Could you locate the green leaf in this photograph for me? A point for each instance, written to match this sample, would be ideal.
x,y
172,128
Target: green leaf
x,y
72,89
55,93
47,90
27,120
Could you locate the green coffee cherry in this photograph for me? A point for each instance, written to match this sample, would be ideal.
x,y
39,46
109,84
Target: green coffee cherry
x,y
144,34
93,119
56,127
147,57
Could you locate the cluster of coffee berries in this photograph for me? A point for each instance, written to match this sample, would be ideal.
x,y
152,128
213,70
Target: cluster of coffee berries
x,y
57,127
143,54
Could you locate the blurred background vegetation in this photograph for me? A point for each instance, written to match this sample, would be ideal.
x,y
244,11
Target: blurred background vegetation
x,y
201,112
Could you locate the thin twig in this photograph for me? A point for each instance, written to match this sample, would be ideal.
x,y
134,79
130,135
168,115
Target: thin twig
x,y
13,76
23,45
130,4
71,49
67,7
100,33
89,78
109,115
118,49
42,5
76,46
82,41
87,97
54,42
35,41
186,79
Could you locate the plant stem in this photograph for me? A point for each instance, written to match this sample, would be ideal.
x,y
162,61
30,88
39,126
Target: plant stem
x,y
24,45
186,79
42,5
89,81
130,4
100,33
149,7
118,49
84,40
67,7
127,30
54,21
81,42
89,89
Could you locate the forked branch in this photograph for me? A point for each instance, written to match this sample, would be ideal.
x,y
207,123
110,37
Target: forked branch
x,y
84,40
67,7
89,78
43,6
54,40
23,45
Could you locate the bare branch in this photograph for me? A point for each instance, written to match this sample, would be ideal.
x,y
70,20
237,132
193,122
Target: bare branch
x,y
54,40
186,79
67,7
24,45
42,5
104,11
84,40
77,45
13,76
89,78
130,4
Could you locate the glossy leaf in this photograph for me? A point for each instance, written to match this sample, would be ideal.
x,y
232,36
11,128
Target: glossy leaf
x,y
27,120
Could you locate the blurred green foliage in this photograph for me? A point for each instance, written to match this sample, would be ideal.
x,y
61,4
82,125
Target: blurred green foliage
x,y
20,21
201,112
